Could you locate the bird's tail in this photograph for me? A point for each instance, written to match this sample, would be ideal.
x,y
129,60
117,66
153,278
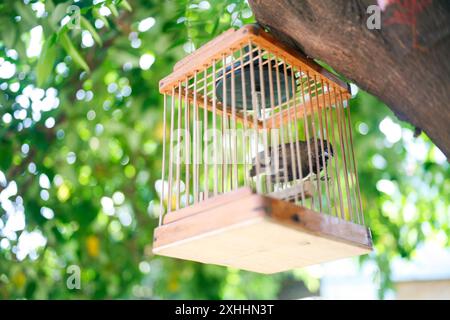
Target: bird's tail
x,y
252,171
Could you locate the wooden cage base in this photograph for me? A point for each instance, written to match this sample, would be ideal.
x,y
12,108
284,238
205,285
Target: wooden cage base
x,y
253,232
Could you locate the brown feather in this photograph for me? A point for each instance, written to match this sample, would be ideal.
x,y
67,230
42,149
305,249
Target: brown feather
x,y
306,153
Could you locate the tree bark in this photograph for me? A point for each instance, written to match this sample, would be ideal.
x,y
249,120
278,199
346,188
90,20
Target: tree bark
x,y
406,63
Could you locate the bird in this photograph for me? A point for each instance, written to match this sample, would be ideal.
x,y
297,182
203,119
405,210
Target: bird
x,y
266,77
287,174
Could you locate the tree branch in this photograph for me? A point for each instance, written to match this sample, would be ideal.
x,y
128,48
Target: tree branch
x,y
409,71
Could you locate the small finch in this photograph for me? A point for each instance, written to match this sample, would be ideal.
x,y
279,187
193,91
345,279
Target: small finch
x,y
287,174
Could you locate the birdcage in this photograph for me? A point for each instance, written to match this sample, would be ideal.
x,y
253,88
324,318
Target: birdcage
x,y
258,169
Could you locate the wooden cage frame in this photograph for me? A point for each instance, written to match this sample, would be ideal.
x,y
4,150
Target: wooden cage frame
x,y
247,230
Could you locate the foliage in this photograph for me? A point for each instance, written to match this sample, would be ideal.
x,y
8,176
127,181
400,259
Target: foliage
x,y
80,149
404,182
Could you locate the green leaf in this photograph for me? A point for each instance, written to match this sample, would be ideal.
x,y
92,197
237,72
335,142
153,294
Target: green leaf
x,y
30,289
97,14
88,26
27,14
122,56
49,6
46,61
216,26
58,13
9,33
124,4
6,151
72,51
21,48
177,43
113,9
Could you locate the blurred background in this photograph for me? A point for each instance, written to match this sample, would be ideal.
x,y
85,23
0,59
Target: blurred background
x,y
80,151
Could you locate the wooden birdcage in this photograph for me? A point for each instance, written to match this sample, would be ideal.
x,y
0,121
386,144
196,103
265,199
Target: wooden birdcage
x,y
258,167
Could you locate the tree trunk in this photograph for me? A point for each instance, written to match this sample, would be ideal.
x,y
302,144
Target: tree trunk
x,y
406,63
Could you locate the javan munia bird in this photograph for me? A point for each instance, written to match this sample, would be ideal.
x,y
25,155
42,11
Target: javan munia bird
x,y
285,91
291,160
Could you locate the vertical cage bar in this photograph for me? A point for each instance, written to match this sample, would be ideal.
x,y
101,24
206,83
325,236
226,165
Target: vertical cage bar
x,y
292,160
163,168
224,124
214,116
316,151
255,120
316,144
178,148
187,152
349,162
355,167
328,135
275,152
306,129
334,143
344,156
228,150
206,136
244,103
263,113
172,123
195,145
283,146
233,136
319,115
297,142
